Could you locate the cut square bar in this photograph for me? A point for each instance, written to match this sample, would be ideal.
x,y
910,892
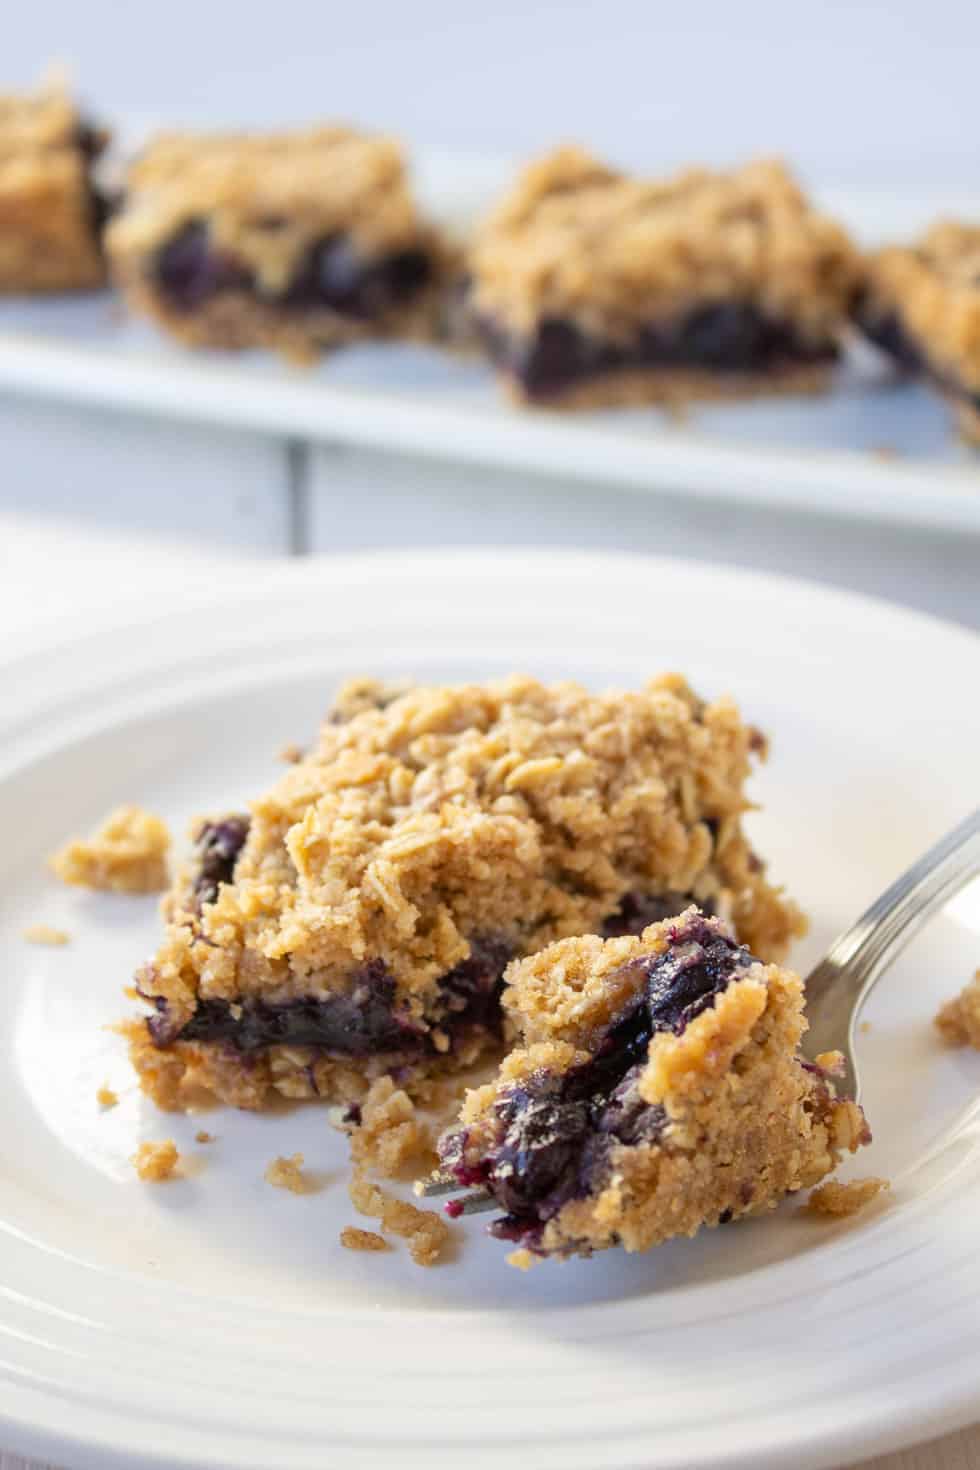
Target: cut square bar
x,y
588,287
298,241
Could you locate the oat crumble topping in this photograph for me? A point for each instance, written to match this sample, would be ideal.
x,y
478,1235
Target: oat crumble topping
x,y
425,1231
128,854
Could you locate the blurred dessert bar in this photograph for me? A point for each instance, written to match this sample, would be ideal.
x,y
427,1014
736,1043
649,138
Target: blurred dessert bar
x,y
921,305
51,213
294,241
588,287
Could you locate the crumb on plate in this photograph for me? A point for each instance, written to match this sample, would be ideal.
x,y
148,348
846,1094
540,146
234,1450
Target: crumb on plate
x,y
292,753
958,1021
355,1239
389,1132
128,854
156,1161
46,934
203,1137
287,1173
105,1096
425,1231
837,1200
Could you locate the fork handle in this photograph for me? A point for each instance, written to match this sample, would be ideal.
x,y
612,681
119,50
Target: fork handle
x,y
855,962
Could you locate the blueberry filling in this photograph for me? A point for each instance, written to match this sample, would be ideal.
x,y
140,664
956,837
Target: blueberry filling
x,y
333,274
555,1132
363,1021
731,336
885,330
218,846
638,910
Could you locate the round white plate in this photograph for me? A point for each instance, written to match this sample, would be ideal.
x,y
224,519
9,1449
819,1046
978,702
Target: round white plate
x,y
214,1321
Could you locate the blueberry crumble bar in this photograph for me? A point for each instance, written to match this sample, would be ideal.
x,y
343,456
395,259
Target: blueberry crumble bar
x,y
294,241
356,923
589,287
921,305
51,211
657,1088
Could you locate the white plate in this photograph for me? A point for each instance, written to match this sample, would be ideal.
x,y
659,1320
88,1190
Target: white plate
x,y
870,448
214,1321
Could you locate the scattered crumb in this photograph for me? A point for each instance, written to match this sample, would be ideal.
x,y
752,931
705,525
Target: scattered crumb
x,y
837,1199
292,754
425,1231
362,1240
389,1132
105,1096
128,854
865,1028
886,451
202,1137
958,1020
45,934
287,1173
156,1161
523,1260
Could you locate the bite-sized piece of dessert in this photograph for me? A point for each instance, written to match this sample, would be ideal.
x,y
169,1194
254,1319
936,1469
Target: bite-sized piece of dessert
x,y
51,211
589,287
358,921
658,1088
921,305
296,241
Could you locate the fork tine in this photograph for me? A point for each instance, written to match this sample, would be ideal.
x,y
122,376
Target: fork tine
x,y
436,1183
471,1204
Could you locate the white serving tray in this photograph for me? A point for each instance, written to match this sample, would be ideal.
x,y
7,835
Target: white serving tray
x,y
870,449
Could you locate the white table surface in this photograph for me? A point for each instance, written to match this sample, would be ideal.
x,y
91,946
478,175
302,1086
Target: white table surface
x,y
48,570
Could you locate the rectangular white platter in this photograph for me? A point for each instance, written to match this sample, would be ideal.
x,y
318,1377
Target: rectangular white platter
x,y
871,448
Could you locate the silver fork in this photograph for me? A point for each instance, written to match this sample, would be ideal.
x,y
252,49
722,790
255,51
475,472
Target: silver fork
x,y
837,988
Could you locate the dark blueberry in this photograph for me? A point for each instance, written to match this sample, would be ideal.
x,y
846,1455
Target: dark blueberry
x,y
727,336
189,271
885,330
336,275
684,980
638,910
218,846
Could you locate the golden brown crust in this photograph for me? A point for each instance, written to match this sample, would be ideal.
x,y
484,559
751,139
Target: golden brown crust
x,y
933,289
580,241
267,199
512,809
49,240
